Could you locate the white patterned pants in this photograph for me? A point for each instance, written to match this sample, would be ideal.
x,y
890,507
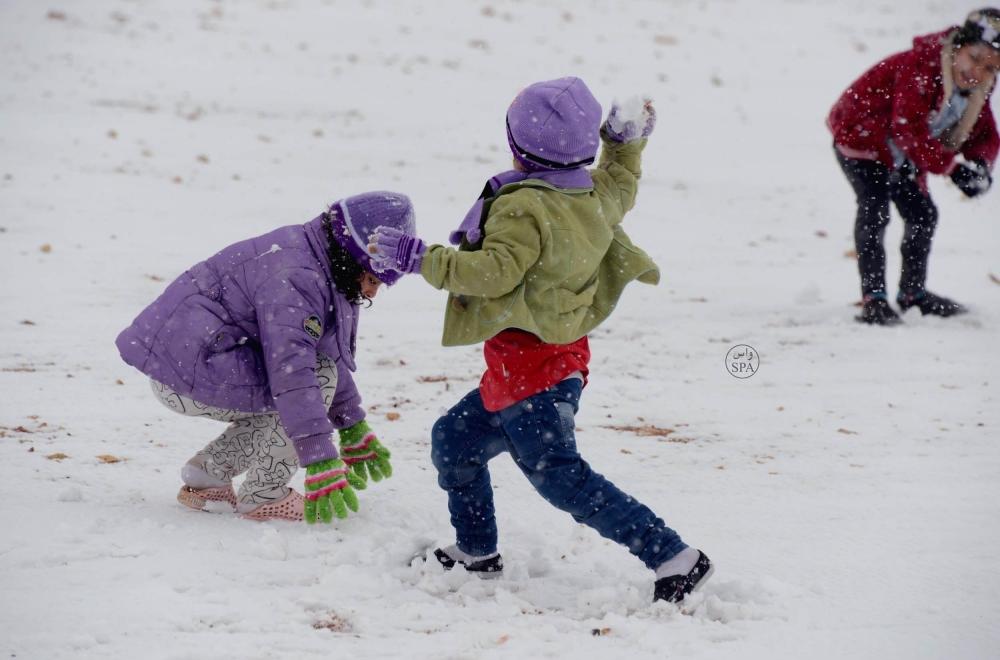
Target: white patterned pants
x,y
254,443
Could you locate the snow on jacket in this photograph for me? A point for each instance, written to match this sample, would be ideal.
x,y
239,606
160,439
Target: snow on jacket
x,y
899,98
242,330
552,261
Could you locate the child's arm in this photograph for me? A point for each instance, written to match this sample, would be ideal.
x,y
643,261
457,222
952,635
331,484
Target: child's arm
x,y
983,143
618,172
290,304
345,410
623,137
284,303
912,102
511,244
359,447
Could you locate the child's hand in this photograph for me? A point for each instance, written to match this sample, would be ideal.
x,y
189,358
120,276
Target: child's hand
x,y
625,119
972,178
364,454
396,250
328,491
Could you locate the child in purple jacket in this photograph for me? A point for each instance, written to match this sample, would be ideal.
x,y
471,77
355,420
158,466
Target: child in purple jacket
x,y
262,335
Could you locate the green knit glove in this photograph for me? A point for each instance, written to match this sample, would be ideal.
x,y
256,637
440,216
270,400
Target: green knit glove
x,y
328,491
364,454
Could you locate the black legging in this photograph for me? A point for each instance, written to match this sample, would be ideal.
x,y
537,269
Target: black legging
x,y
875,186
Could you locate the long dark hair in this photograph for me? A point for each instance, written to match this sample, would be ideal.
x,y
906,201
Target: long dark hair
x,y
346,272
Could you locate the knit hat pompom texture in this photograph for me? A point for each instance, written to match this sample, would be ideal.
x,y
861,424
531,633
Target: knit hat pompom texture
x,y
984,24
554,125
354,219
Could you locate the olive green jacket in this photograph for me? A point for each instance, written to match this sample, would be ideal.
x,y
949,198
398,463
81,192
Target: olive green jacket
x,y
553,262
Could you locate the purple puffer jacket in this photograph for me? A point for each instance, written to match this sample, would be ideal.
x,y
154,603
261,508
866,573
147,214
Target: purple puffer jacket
x,y
242,329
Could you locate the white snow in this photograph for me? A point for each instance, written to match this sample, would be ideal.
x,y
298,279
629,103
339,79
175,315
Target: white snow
x,y
71,494
847,492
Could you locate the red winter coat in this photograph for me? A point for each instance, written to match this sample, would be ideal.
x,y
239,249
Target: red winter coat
x,y
896,98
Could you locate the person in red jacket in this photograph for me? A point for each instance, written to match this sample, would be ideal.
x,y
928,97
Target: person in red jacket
x,y
912,114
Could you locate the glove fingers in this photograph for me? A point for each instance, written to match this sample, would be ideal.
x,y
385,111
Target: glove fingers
x,y
384,467
323,508
356,481
380,450
647,130
361,471
350,499
374,471
377,243
337,500
626,131
382,456
310,512
380,265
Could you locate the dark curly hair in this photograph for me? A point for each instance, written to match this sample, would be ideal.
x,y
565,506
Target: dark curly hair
x,y
346,271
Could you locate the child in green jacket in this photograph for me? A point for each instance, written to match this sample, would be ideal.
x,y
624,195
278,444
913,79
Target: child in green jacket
x,y
542,261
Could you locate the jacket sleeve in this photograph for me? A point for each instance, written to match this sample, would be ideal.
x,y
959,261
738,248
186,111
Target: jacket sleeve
x,y
618,171
511,244
983,142
913,101
346,408
284,302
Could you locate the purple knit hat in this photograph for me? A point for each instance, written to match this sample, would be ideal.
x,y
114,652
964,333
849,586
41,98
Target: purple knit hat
x,y
554,125
354,219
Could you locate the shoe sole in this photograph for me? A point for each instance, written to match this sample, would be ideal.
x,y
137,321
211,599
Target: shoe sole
x,y
482,575
943,316
896,321
191,502
291,507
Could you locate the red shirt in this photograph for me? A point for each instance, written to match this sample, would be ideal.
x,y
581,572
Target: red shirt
x,y
519,365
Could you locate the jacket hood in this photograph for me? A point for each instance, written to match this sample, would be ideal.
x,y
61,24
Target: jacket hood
x,y
928,43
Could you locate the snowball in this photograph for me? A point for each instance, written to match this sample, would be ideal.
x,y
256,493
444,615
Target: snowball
x,y
632,109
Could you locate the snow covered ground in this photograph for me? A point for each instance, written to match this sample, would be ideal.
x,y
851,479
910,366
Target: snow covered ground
x,y
848,492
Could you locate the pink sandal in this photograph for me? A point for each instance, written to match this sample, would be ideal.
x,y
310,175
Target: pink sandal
x,y
291,507
196,499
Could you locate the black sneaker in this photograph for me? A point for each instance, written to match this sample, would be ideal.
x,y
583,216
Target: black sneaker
x,y
490,567
876,311
673,589
929,303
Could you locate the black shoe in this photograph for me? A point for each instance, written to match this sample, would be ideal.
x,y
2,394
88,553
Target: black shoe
x,y
491,567
876,311
929,303
673,589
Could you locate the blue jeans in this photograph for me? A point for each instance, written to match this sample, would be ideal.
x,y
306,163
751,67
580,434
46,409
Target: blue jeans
x,y
538,434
